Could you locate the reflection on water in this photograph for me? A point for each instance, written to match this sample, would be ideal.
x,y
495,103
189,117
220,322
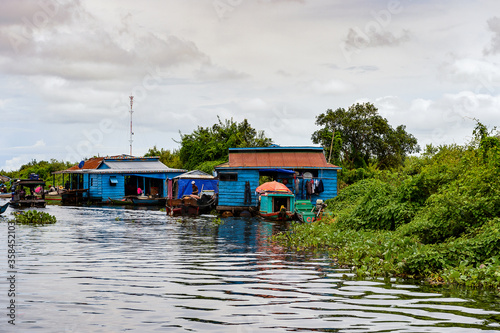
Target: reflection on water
x,y
113,270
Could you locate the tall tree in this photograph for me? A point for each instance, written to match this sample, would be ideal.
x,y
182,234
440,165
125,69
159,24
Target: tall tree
x,y
167,157
208,146
363,136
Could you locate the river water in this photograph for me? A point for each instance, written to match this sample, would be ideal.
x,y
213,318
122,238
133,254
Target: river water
x,y
120,270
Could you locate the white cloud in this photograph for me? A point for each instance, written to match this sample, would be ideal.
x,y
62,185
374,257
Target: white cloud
x,y
480,75
448,119
494,27
330,87
276,63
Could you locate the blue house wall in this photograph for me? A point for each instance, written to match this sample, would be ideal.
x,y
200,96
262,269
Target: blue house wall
x,y
95,187
100,187
115,192
232,193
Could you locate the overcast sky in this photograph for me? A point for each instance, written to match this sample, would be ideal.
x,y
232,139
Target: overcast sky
x,y
68,67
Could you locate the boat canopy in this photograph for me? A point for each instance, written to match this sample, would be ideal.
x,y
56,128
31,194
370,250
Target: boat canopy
x,y
186,188
273,186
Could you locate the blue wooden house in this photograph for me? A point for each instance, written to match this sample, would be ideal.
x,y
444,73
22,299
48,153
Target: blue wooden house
x,y
103,178
304,170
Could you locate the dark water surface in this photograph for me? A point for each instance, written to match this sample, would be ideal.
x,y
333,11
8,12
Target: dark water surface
x,y
120,270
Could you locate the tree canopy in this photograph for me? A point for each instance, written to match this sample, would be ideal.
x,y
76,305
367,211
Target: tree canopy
x,y
361,135
208,146
167,157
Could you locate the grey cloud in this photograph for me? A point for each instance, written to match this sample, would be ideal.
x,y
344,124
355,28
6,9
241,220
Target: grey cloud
x,y
211,72
363,69
357,39
90,51
494,27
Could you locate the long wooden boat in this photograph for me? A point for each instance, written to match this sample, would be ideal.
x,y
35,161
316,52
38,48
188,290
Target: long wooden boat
x,y
55,197
122,202
4,208
147,201
35,198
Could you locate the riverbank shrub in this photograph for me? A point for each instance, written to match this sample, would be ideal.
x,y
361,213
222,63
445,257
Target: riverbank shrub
x,y
437,218
33,217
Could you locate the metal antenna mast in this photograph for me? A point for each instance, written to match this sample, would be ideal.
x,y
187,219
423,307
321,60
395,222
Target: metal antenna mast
x,y
131,133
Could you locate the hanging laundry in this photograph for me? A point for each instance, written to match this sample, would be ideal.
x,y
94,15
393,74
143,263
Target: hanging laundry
x,y
320,188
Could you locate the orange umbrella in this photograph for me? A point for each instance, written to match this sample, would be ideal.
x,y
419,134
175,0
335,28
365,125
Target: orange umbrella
x,y
272,187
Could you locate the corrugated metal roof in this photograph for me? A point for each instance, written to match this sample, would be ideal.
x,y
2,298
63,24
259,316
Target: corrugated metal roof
x,y
91,163
136,165
266,159
121,165
195,174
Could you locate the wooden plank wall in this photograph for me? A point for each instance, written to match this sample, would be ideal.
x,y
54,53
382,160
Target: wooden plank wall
x,y
95,187
232,193
115,192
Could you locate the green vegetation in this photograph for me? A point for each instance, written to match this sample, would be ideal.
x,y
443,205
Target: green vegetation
x,y
361,136
43,169
207,147
436,218
167,157
33,217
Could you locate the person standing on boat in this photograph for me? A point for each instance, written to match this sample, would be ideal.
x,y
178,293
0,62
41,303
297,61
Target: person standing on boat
x,y
195,188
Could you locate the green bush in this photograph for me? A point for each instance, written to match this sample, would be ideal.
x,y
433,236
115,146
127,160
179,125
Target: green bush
x,y
436,218
33,217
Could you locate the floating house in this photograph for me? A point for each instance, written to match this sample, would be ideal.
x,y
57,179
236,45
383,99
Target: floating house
x,y
103,178
304,170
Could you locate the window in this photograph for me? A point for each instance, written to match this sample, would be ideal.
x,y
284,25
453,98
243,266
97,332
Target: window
x,y
228,177
113,181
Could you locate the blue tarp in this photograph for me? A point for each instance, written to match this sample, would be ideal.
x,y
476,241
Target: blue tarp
x,y
185,187
277,170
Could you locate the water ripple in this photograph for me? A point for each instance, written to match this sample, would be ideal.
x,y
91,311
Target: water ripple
x,y
110,270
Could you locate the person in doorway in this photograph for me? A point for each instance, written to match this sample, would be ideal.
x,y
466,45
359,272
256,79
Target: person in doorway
x,y
195,188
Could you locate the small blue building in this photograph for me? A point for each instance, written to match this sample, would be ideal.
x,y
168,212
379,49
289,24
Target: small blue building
x,y
103,178
304,170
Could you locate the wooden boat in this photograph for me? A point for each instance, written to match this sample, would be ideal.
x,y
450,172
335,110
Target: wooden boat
x,y
305,212
53,197
277,206
4,208
186,206
36,197
5,195
192,205
122,202
148,201
276,201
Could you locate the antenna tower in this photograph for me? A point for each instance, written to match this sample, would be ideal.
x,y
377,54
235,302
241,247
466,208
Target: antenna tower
x,y
131,133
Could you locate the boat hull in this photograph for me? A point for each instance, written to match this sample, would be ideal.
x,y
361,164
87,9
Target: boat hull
x,y
277,216
39,203
149,201
4,208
